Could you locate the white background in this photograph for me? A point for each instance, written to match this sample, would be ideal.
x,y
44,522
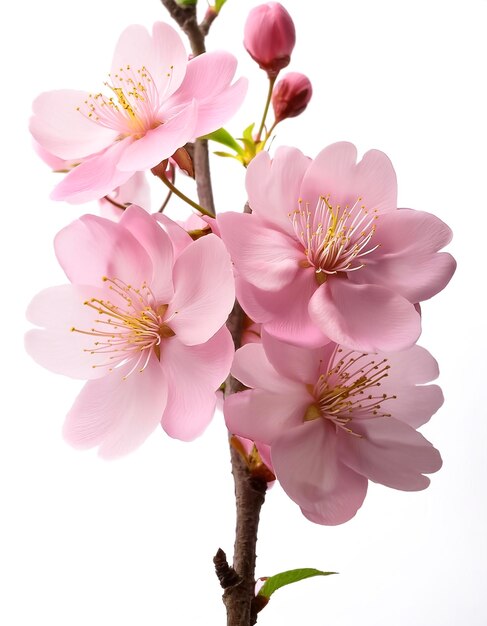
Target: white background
x,y
86,542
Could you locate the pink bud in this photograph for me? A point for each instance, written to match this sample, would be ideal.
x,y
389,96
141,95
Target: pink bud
x,y
291,95
269,37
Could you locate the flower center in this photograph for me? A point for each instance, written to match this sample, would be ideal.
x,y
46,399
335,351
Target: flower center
x,y
129,328
133,108
349,389
334,239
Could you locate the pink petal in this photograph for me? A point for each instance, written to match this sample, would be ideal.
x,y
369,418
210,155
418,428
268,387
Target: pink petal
x,y
64,131
284,313
407,260
263,415
252,368
179,237
160,143
57,310
213,112
334,172
207,75
274,186
194,373
94,178
295,363
204,290
135,191
389,452
163,55
264,256
364,317
92,247
116,414
308,466
157,245
409,399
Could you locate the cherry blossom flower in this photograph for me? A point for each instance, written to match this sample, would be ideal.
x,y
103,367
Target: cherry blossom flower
x,y
335,418
325,254
143,321
155,102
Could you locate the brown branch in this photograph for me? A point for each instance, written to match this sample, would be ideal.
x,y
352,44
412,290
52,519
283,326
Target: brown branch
x,y
201,160
186,19
250,494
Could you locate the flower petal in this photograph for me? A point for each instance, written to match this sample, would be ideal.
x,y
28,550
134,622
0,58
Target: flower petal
x,y
158,246
364,317
284,313
204,290
294,362
263,415
64,131
194,373
215,111
118,414
93,247
161,142
389,452
163,55
135,191
180,239
207,75
252,368
307,465
407,260
274,185
263,256
96,177
335,173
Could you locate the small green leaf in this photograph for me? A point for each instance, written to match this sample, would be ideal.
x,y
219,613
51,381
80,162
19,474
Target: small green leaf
x,y
219,4
247,133
286,578
226,154
186,3
223,136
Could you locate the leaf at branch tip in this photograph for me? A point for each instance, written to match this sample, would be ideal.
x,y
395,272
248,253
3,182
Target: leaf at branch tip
x,y
286,578
227,154
223,136
219,4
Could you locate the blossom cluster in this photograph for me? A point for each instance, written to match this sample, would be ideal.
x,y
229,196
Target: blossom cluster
x,y
329,272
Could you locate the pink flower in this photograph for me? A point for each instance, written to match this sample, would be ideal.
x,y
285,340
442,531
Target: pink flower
x,y
335,418
291,96
325,254
143,322
269,37
159,101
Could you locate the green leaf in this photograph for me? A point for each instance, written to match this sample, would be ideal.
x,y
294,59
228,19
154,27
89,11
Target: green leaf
x,y
226,154
219,4
223,136
247,133
286,578
186,3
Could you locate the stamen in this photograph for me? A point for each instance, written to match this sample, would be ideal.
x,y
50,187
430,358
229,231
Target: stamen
x,y
128,328
334,239
134,107
348,389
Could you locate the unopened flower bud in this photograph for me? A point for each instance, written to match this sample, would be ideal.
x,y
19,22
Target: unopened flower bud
x,y
269,37
291,96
